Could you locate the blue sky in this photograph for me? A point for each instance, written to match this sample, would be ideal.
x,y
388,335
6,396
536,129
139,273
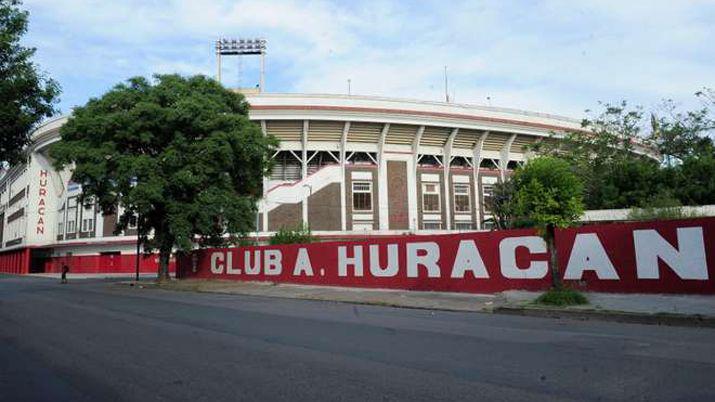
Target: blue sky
x,y
554,56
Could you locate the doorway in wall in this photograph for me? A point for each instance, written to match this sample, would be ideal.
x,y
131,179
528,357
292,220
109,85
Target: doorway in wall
x,y
38,258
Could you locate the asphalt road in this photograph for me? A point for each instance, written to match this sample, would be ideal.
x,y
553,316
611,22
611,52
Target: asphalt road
x,y
99,341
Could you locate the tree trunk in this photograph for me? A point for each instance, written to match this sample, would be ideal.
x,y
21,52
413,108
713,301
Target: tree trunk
x,y
553,256
164,256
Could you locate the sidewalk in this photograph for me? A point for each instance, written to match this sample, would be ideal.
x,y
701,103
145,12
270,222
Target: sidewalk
x,y
381,297
689,310
71,276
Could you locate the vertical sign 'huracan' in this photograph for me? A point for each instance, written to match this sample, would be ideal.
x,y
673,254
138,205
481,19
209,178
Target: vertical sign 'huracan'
x,y
42,193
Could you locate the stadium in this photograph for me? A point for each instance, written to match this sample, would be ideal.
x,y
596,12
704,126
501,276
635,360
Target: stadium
x,y
347,167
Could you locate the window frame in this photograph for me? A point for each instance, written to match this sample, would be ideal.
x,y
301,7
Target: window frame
x,y
435,192
457,224
71,226
368,191
468,195
438,224
487,194
87,225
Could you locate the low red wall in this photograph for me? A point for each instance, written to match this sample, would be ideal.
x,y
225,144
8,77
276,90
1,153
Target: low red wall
x,y
662,257
645,257
90,264
15,262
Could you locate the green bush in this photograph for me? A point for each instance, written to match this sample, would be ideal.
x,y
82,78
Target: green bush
x,y
562,297
660,206
652,214
298,235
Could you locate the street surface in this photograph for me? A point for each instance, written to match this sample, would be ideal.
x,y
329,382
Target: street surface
x,y
96,340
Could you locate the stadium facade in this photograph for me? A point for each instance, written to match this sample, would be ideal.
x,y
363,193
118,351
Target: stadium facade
x,y
347,166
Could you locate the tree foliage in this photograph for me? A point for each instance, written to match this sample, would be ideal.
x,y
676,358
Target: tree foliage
x,y
179,153
605,142
26,95
608,155
546,192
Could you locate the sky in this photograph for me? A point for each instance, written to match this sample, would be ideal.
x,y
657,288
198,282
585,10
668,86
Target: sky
x,y
553,56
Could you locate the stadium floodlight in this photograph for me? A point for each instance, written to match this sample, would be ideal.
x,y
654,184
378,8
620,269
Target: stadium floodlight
x,y
241,47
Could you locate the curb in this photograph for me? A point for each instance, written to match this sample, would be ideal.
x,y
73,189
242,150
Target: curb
x,y
666,319
377,303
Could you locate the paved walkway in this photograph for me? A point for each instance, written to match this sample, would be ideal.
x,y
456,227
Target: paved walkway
x,y
383,297
71,276
631,303
645,304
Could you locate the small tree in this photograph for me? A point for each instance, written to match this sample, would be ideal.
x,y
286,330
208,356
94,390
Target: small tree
x,y
26,95
548,194
178,154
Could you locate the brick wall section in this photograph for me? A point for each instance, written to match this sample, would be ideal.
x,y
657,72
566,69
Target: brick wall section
x,y
285,216
349,195
472,215
324,208
398,207
442,205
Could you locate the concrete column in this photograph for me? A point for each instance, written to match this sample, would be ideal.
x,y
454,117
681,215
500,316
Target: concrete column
x,y
477,160
504,156
304,168
383,212
343,193
264,224
412,181
447,160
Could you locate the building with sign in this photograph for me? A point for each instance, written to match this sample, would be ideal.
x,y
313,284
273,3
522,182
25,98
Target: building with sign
x,y
347,166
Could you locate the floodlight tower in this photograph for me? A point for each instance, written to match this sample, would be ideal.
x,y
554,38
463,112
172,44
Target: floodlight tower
x,y
241,47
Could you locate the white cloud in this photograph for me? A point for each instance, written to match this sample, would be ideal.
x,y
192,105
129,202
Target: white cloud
x,y
555,55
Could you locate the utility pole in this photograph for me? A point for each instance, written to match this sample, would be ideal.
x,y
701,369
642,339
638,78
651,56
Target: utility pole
x,y
349,89
138,247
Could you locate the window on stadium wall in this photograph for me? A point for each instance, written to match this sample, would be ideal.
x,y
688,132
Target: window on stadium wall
x,y
71,215
461,197
286,167
430,197
362,196
432,225
319,159
429,161
463,226
88,216
361,158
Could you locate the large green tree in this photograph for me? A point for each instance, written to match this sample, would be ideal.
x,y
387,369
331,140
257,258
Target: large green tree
x,y
178,153
26,95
